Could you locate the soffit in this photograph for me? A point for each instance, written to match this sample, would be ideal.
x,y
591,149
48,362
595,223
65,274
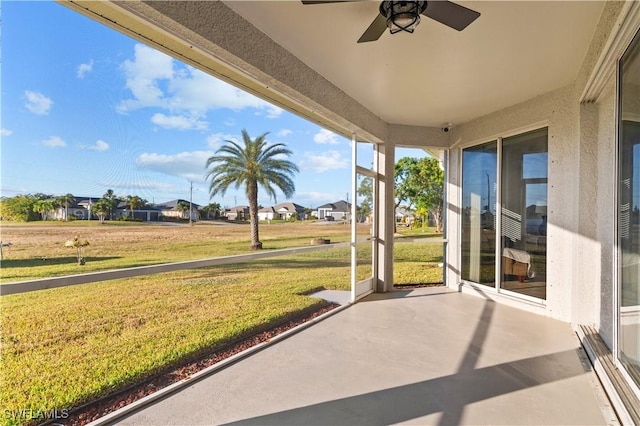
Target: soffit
x,y
515,51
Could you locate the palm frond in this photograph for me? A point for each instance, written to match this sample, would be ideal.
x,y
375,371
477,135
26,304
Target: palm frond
x,y
251,162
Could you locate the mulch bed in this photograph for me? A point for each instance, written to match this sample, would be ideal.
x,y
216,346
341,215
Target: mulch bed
x,y
103,406
408,286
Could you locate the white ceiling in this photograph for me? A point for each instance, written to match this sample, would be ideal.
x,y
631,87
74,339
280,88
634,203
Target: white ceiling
x,y
514,51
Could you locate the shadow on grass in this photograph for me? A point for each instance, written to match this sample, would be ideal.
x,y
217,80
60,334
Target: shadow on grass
x,y
290,264
49,261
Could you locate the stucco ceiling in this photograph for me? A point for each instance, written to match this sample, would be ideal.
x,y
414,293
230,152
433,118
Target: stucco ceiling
x,y
514,51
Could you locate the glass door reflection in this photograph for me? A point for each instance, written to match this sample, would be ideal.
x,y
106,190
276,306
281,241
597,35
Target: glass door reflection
x,y
479,168
524,214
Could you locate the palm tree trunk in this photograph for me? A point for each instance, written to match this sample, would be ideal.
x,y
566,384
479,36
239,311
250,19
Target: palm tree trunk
x,y
252,194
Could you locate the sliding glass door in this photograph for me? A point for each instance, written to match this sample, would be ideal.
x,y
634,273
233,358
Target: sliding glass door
x,y
524,214
508,250
628,222
479,168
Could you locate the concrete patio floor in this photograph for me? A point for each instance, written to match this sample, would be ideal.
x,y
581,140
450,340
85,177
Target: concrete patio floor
x,y
422,356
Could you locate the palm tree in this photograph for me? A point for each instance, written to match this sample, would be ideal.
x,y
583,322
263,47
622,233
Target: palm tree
x,y
43,207
215,209
112,201
255,164
101,208
65,200
134,202
182,207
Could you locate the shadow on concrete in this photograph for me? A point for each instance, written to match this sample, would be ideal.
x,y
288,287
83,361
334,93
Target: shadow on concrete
x,y
447,395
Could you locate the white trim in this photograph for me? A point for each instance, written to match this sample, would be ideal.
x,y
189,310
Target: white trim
x,y
619,39
499,248
363,288
354,236
375,219
514,131
615,299
497,288
490,293
366,172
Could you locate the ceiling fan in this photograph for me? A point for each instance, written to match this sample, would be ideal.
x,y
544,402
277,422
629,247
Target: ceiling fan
x,y
400,15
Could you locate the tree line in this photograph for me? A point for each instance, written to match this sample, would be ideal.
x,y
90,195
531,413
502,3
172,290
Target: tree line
x,y
40,206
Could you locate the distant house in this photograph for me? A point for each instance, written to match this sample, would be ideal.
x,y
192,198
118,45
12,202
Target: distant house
x,y
334,211
171,210
267,213
78,208
282,211
237,213
145,213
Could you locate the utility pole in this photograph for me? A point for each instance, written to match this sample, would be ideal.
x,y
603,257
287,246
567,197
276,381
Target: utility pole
x,y
488,194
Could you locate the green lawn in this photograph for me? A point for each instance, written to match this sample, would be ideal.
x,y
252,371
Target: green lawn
x,y
38,249
66,346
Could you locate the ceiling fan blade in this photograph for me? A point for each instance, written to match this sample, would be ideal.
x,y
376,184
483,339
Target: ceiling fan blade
x,y
450,14
375,30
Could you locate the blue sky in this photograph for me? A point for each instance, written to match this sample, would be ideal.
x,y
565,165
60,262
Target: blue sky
x,y
86,109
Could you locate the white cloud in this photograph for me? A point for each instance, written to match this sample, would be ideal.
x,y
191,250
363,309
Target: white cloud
x,y
326,137
283,133
54,142
37,103
156,80
317,198
189,165
84,69
143,75
324,161
179,122
274,111
6,132
215,140
100,145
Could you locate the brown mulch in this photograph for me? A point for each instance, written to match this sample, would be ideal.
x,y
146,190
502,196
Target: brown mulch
x,y
417,285
103,406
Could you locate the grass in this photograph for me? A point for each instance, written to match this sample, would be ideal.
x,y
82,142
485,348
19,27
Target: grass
x,y
38,250
63,347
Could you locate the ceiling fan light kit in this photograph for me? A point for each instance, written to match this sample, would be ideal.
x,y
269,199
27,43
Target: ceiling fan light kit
x,y
402,15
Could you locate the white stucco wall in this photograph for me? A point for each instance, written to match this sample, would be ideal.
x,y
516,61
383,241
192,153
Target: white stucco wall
x,y
581,189
604,288
558,111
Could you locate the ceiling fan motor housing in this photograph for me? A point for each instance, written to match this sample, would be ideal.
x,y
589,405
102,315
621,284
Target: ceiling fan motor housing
x,y
402,15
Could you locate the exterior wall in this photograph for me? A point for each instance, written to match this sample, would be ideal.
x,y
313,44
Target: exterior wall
x,y
604,288
265,215
174,213
592,296
581,188
558,111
